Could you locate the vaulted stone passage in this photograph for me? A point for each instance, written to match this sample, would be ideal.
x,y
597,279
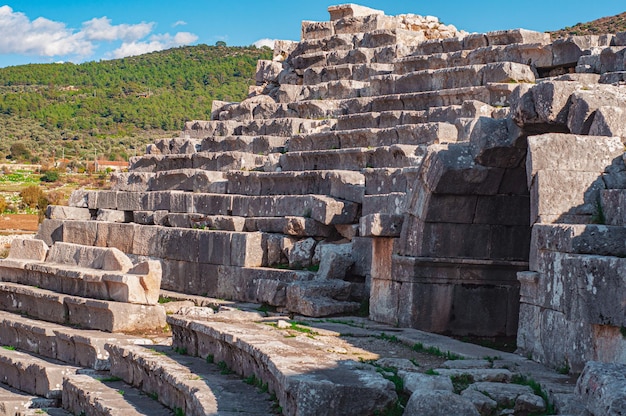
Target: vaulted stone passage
x,y
466,234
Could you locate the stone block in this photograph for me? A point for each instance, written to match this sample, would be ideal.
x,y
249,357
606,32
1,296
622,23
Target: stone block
x,y
450,169
130,201
608,122
390,204
548,202
503,209
84,233
212,204
79,198
301,254
143,217
594,239
497,143
584,153
601,387
380,225
58,212
436,402
585,103
506,37
295,226
28,249
110,215
351,10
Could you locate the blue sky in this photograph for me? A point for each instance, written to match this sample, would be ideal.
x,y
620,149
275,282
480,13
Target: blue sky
x,y
38,31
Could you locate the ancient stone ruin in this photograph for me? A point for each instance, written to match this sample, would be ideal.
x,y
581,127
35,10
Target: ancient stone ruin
x,y
468,185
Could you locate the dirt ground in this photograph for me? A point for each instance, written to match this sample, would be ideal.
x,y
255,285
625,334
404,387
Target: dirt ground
x,y
18,222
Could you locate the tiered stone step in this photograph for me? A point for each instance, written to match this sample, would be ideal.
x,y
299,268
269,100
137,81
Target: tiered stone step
x,y
401,134
79,347
482,40
212,161
353,72
356,158
14,402
293,368
325,209
103,394
186,383
494,94
269,109
346,185
191,180
97,273
282,127
533,54
84,312
451,78
386,119
32,374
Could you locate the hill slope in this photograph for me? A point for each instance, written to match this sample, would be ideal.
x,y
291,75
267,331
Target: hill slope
x,y
610,24
114,107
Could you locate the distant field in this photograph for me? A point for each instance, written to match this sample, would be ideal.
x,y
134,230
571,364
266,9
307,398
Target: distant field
x,y
10,223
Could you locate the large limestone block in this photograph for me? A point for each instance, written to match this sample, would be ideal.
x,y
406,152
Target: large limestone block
x,y
586,288
612,59
602,388
505,37
576,153
602,240
351,10
496,143
316,30
547,102
28,249
567,51
608,121
438,402
585,103
550,204
268,71
89,257
177,145
58,212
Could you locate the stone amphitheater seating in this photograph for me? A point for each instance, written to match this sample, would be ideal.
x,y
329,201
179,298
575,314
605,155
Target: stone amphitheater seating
x,y
449,181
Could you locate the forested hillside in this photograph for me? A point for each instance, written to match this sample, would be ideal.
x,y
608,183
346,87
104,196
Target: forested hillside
x,y
113,108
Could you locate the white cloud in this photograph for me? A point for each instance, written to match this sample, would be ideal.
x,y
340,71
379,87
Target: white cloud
x,y
44,37
47,38
265,42
102,29
155,43
179,23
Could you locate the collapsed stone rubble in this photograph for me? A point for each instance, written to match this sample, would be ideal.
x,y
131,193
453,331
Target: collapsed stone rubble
x,y
454,183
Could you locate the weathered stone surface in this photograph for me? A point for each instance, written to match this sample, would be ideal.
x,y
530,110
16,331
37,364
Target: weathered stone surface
x,y
301,253
324,384
380,225
496,143
58,212
111,215
585,103
33,375
608,122
437,402
28,249
419,382
335,260
484,404
584,153
601,386
521,398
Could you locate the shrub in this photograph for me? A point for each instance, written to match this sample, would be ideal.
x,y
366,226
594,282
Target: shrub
x,y
33,197
50,176
3,204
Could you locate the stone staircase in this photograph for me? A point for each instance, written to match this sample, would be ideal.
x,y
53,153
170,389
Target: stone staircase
x,y
382,160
